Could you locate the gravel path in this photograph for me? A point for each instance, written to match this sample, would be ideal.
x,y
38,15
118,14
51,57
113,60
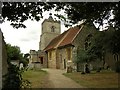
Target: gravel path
x,y
57,80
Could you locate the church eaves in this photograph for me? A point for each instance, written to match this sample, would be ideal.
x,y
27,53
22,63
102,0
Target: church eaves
x,y
64,39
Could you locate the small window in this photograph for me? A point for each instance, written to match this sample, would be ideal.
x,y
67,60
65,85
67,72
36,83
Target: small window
x,y
53,29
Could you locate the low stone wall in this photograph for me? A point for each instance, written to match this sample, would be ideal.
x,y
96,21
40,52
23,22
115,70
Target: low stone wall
x,y
34,65
3,59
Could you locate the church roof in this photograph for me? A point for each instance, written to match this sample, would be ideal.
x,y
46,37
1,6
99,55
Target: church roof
x,y
66,38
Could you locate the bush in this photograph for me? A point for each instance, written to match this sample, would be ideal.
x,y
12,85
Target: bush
x,y
13,79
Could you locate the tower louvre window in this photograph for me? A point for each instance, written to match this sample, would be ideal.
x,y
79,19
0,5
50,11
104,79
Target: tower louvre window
x,y
53,29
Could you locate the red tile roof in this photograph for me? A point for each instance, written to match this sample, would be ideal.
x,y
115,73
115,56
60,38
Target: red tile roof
x,y
63,39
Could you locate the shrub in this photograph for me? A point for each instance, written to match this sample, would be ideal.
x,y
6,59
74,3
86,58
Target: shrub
x,y
13,79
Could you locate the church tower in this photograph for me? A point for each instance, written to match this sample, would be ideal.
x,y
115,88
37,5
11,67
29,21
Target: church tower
x,y
50,29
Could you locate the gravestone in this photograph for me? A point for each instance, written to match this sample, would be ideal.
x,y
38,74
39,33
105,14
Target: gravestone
x,y
3,59
21,66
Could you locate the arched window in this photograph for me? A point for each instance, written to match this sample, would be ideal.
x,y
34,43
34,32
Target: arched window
x,y
87,42
53,29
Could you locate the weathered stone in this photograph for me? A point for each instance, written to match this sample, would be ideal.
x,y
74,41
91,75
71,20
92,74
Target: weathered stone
x,y
50,29
61,56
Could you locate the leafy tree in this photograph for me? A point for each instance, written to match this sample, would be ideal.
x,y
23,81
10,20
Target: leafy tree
x,y
112,38
13,53
106,41
103,42
18,12
13,78
82,56
97,46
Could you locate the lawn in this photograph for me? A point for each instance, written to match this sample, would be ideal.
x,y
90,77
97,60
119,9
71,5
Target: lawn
x,y
103,79
36,77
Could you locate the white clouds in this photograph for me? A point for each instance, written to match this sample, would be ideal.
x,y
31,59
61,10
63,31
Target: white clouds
x,y
27,38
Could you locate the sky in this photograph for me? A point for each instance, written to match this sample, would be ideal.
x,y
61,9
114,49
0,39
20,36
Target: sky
x,y
27,39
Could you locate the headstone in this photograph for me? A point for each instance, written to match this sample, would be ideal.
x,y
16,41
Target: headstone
x,y
21,66
69,66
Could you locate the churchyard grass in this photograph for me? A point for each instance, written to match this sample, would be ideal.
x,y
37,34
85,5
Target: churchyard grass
x,y
36,77
103,79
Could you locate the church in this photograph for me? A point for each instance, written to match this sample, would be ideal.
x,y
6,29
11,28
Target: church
x,y
59,51
50,29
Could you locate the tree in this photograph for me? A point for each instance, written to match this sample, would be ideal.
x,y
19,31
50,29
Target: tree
x,y
112,38
104,42
18,12
83,57
97,46
13,78
13,53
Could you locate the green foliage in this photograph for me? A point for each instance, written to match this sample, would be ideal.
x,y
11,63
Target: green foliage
x,y
13,53
112,38
18,12
81,56
107,41
104,42
13,79
96,50
85,56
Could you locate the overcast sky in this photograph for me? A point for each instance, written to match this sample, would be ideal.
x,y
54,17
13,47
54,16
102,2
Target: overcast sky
x,y
27,38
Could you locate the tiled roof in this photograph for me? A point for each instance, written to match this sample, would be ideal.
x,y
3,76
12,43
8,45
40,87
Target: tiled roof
x,y
70,36
63,39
